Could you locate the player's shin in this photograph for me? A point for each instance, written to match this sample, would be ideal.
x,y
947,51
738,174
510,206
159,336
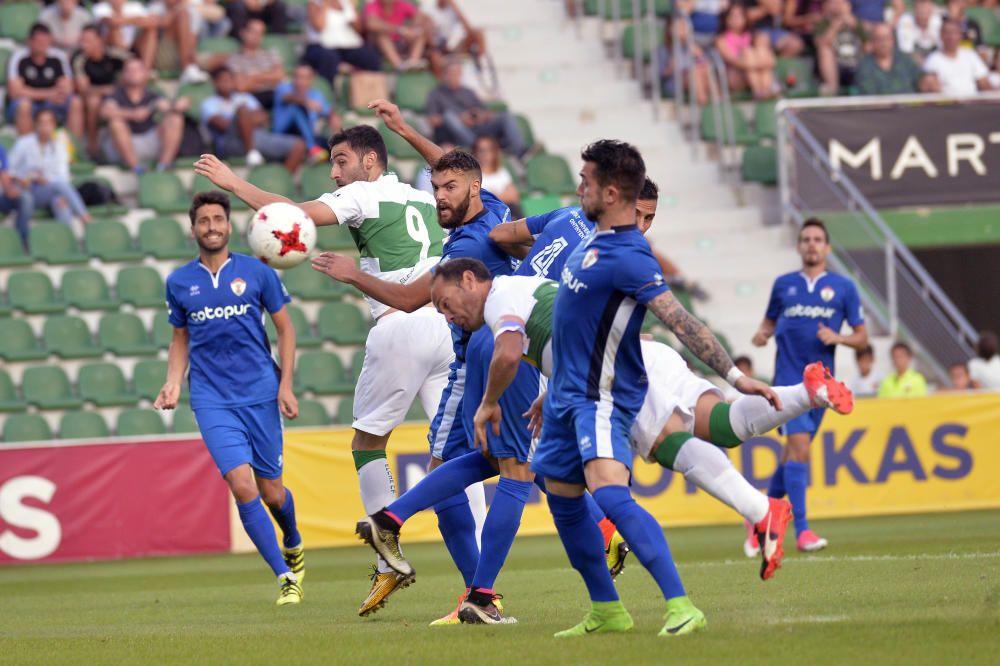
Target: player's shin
x,y
285,517
501,525
583,542
751,415
458,530
260,529
378,488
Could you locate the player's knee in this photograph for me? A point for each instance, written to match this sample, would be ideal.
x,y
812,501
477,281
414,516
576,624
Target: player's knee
x,y
798,451
273,496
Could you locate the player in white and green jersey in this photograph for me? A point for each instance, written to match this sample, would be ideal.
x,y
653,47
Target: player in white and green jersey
x,y
407,355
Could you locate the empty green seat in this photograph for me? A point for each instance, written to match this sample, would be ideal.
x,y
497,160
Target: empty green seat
x,y
415,412
197,93
124,334
795,75
69,336
163,238
273,178
109,240
32,292
321,372
345,412
54,243
83,425
4,59
26,427
316,181
760,165
163,192
412,89
104,385
11,251
184,420
285,48
137,422
709,132
218,45
304,337
312,414
646,43
343,324
48,387
16,19
10,401
335,237
18,341
764,120
397,146
86,289
202,184
550,174
526,130
163,331
148,377
357,362
141,286
304,282
541,204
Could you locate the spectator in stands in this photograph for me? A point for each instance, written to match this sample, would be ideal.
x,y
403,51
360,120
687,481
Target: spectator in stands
x,y
238,125
904,381
397,28
669,69
459,116
985,368
749,58
972,32
768,17
958,376
840,45
864,383
299,108
887,71
38,77
333,31
257,69
918,32
869,12
450,33
66,19
129,27
704,14
39,161
957,69
802,17
273,13
143,126
496,177
14,197
96,68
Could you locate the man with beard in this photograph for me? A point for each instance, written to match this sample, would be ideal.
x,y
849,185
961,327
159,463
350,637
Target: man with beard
x,y
805,315
216,305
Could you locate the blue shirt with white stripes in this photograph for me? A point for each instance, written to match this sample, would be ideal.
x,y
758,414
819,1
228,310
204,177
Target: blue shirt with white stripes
x,y
556,233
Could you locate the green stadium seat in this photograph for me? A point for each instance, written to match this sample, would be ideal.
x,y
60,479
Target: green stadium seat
x,y
412,89
197,93
18,342
54,243
273,178
303,282
285,48
304,337
415,412
218,45
104,385
148,377
141,286
16,19
69,337
163,332
550,174
646,43
345,412
26,427
989,23
163,192
316,181
343,324
109,240
526,131
312,414
709,132
11,251
137,422
184,420
335,237
33,293
357,362
163,238
202,184
4,59
765,120
321,372
123,334
397,146
10,401
760,165
48,387
540,204
83,425
795,75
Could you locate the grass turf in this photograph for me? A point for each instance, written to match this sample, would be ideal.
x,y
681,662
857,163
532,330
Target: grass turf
x,y
893,590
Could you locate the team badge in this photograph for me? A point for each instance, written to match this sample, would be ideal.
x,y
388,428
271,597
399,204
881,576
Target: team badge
x,y
590,258
827,294
238,286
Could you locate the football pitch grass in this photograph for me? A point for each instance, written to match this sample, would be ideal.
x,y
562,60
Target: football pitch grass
x,y
909,590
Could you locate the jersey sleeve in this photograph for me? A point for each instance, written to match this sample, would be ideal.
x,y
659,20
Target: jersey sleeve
x,y
774,303
352,204
273,295
855,313
504,312
537,223
640,275
463,246
176,314
495,205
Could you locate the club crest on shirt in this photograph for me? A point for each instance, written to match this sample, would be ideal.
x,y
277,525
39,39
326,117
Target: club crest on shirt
x,y
827,294
238,286
590,258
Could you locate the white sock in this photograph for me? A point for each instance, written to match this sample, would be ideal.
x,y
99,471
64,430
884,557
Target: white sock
x,y
706,466
752,415
477,502
378,490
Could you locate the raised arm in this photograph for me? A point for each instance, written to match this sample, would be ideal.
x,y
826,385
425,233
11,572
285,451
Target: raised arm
x,y
393,119
507,351
406,297
514,238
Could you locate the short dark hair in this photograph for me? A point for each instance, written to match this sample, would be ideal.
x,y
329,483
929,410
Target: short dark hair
x,y
91,27
649,190
865,351
363,139
959,364
206,198
38,28
452,270
988,345
220,70
42,111
899,344
743,359
458,160
617,163
818,223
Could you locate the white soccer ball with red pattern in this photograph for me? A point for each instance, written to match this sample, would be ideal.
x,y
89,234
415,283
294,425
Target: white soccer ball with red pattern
x,y
281,235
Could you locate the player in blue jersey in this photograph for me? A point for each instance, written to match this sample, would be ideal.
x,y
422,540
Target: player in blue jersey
x,y
216,305
805,314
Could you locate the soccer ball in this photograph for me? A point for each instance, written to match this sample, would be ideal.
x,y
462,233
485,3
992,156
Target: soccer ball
x,y
281,235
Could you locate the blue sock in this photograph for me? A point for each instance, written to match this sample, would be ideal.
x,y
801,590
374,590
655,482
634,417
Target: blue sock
x,y
581,537
796,479
260,529
445,481
644,536
458,529
499,530
285,517
777,487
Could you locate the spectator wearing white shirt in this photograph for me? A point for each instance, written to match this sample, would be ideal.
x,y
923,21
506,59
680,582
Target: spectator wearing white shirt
x,y
66,19
496,177
985,368
918,32
451,33
958,70
333,33
864,383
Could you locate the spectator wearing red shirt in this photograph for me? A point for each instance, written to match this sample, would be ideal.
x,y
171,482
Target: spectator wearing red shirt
x,y
397,27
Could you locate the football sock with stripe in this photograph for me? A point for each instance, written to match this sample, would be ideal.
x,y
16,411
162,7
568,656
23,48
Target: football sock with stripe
x,y
581,537
777,487
378,488
477,504
644,536
285,517
502,521
458,529
796,480
751,415
260,529
443,482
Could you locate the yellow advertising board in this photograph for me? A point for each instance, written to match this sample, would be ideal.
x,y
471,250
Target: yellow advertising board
x,y
889,456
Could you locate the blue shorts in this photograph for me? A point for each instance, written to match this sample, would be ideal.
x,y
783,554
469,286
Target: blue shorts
x,y
251,435
576,434
61,110
775,35
808,422
447,436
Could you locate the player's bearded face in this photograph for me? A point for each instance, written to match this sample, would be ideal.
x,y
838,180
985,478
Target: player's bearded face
x,y
459,304
813,247
211,228
346,166
453,202
589,191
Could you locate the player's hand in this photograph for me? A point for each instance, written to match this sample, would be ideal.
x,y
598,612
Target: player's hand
x,y
751,386
534,416
390,115
759,339
287,402
487,413
168,396
217,171
337,266
827,335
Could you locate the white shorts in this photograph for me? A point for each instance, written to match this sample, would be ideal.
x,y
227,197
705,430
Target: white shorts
x,y
673,388
407,355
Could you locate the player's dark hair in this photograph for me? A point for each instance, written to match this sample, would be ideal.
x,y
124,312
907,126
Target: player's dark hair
x,y
37,28
458,160
988,345
363,139
452,270
206,198
649,190
864,352
818,223
899,344
617,163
